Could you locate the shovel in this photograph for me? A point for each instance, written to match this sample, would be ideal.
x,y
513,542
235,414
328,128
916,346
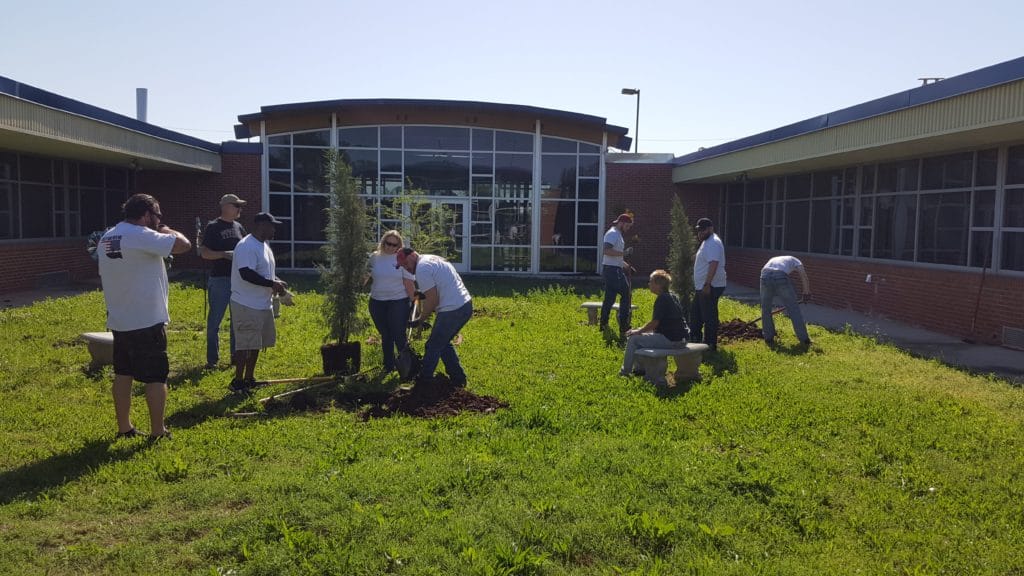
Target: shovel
x,y
774,312
409,362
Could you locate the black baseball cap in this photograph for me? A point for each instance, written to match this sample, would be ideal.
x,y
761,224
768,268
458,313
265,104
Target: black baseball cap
x,y
704,223
267,217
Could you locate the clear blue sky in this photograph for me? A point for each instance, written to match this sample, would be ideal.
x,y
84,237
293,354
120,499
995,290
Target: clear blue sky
x,y
708,72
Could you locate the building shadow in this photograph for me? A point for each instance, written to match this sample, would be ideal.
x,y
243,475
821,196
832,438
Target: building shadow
x,y
30,480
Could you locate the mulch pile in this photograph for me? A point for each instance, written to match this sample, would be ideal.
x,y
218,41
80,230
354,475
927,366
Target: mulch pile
x,y
436,399
737,329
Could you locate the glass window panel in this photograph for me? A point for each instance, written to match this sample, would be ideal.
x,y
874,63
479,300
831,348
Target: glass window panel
x,y
825,218
753,225
282,253
558,176
1015,165
589,148
864,244
797,215
513,141
483,187
114,206
37,211
281,205
557,223
283,231
363,162
309,170
586,235
480,258
365,137
280,157
798,186
734,193
897,176
391,161
590,166
310,217
586,261
984,208
8,166
483,163
92,215
481,210
866,212
480,233
513,175
867,179
950,171
390,136
894,227
755,191
117,179
850,181
512,259
828,183
846,246
986,167
849,209
35,169
436,138
280,181
60,169
733,233
587,213
321,138
58,198
549,144
942,229
557,259
588,188
981,249
391,185
512,223
282,140
438,173
1013,209
1013,251
483,139
308,255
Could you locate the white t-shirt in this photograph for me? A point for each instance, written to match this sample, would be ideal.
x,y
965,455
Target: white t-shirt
x,y
258,257
785,264
434,271
387,281
711,250
613,237
134,276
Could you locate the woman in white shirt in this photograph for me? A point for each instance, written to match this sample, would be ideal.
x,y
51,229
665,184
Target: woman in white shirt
x,y
390,294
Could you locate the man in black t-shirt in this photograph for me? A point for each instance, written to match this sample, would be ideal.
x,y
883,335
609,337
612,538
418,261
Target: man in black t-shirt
x,y
667,328
219,240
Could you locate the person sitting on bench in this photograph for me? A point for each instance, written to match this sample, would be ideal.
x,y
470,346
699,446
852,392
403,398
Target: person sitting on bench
x,y
667,328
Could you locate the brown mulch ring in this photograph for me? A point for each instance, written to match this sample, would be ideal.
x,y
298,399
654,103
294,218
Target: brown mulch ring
x,y
435,400
737,329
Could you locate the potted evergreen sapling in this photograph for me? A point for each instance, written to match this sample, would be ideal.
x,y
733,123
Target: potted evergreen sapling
x,y
682,247
347,254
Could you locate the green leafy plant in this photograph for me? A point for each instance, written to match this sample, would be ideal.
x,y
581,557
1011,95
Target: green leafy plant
x,y
682,246
424,224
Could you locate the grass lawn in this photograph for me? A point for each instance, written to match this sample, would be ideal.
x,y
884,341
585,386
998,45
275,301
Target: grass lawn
x,y
852,458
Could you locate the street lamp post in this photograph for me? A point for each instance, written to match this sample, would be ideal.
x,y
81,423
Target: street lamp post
x,y
636,127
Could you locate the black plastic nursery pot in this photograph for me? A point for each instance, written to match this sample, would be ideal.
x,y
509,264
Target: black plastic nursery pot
x,y
341,358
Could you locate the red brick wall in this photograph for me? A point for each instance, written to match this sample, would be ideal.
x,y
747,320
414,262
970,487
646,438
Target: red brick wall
x,y
647,190
939,300
24,262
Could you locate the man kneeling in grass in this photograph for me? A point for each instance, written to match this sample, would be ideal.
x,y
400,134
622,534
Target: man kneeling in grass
x,y
667,328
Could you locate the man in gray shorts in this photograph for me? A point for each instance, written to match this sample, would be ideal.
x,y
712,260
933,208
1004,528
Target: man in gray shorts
x,y
253,285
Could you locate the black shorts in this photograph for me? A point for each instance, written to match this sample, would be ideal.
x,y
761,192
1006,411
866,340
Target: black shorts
x,y
142,354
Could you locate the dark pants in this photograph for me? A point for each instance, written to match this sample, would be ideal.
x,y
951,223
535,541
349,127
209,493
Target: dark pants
x,y
704,317
390,317
616,284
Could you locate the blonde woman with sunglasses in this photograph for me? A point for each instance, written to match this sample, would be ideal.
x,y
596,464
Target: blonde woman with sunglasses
x,y
391,290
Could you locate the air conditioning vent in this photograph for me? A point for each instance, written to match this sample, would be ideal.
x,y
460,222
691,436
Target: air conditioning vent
x,y
1013,338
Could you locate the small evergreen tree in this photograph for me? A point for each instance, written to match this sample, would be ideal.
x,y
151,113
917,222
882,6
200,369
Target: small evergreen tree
x,y
347,252
424,225
681,249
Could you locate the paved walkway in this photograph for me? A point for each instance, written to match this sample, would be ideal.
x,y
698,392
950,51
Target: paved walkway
x,y
947,349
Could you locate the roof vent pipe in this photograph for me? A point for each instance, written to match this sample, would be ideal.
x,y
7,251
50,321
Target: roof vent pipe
x,y
141,103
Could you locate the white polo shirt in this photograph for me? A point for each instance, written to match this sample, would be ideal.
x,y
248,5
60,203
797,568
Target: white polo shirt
x,y
613,237
258,257
711,250
387,280
434,271
134,277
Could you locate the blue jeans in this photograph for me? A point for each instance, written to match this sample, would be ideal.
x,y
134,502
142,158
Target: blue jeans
x,y
774,284
390,318
439,344
616,284
218,291
704,317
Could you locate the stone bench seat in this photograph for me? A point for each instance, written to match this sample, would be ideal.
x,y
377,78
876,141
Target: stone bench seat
x,y
654,363
101,348
593,308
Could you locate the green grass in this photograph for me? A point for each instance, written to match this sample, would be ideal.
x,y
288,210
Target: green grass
x,y
853,458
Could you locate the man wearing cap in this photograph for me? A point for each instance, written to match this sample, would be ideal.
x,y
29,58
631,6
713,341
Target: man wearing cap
x,y
615,269
219,241
444,292
708,283
253,285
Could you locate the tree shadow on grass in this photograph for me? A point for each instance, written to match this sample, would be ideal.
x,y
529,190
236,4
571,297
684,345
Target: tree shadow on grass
x,y
29,480
721,361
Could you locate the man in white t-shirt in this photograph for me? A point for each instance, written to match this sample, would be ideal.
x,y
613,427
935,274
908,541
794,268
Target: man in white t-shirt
x,y
615,271
443,292
708,284
253,285
131,265
775,282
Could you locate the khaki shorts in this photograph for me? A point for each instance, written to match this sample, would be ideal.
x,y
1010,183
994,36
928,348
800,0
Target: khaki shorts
x,y
254,329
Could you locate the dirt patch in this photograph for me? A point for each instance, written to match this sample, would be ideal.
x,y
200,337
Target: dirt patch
x,y
435,399
737,329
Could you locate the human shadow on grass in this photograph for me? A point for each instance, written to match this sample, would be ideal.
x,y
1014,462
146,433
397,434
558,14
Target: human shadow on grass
x,y
721,361
28,481
350,397
796,349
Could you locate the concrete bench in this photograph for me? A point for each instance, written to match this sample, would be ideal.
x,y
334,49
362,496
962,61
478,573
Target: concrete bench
x,y
654,363
101,348
593,308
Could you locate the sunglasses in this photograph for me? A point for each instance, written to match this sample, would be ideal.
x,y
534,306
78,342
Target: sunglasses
x,y
393,244
158,215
